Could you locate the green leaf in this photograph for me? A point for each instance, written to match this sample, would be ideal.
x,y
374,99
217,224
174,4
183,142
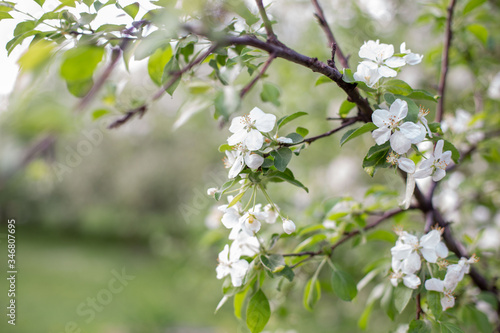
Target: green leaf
x,y
387,302
365,316
343,285
239,300
423,95
99,113
351,134
286,119
471,5
450,328
282,157
226,186
435,127
296,138
157,63
236,199
312,293
322,79
4,15
375,161
402,296
80,88
40,2
86,18
132,9
389,98
434,302
24,27
36,55
302,131
378,148
287,273
80,63
270,93
288,177
274,262
111,27
88,2
399,87
419,326
258,312
382,235
345,108
479,31
413,108
171,67
347,76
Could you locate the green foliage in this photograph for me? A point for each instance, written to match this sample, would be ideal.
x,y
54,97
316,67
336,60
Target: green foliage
x,y
270,93
343,284
258,312
354,133
282,157
286,119
312,293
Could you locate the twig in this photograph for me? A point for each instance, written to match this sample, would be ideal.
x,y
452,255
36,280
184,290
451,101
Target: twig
x,y
444,63
249,86
271,37
419,307
174,77
333,131
320,15
347,236
282,51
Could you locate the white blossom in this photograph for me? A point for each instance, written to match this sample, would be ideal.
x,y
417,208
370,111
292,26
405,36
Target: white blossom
x,y
288,226
271,213
231,265
245,245
367,72
391,127
409,280
247,129
283,139
382,56
494,88
403,163
436,164
410,58
211,191
231,217
237,159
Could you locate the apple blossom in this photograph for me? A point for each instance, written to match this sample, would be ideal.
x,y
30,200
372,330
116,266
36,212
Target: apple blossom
x,y
211,191
391,127
403,163
283,139
271,213
237,159
436,164
409,280
367,72
410,58
244,245
231,265
247,129
382,56
288,226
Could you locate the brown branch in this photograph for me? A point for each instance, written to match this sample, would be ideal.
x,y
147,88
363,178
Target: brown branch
x,y
347,236
174,77
320,15
249,86
419,307
282,51
333,131
271,37
444,63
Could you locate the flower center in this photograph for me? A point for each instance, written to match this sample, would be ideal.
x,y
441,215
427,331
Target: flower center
x,y
251,219
440,164
247,122
393,122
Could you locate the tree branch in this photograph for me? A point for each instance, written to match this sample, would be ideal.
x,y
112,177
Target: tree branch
x,y
347,236
249,86
174,77
444,62
282,51
333,131
320,15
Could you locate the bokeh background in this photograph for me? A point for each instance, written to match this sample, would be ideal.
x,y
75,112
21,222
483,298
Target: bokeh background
x,y
137,200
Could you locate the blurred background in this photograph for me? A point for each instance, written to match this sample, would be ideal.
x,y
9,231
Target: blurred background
x,y
96,203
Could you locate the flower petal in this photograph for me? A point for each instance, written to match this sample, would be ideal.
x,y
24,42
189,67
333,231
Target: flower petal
x,y
406,165
434,285
236,138
253,140
400,143
438,174
399,109
237,124
381,135
385,71
395,62
264,122
253,161
380,117
448,301
410,130
411,281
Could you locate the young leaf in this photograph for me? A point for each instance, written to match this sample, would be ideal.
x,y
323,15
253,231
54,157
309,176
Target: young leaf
x,y
399,87
274,262
80,63
343,285
132,9
472,4
479,31
171,67
422,94
157,62
302,131
322,79
239,299
288,177
434,302
270,93
447,327
312,293
349,135
402,296
345,107
286,119
419,326
236,199
282,157
258,312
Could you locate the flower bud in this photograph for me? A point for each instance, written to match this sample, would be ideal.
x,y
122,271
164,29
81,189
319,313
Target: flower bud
x,y
211,191
288,226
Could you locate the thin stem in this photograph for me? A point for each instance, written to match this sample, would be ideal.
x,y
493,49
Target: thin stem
x,y
249,86
333,131
444,62
267,23
320,15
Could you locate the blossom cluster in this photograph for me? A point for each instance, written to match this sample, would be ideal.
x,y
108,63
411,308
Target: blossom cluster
x,y
251,139
407,256
380,61
402,135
